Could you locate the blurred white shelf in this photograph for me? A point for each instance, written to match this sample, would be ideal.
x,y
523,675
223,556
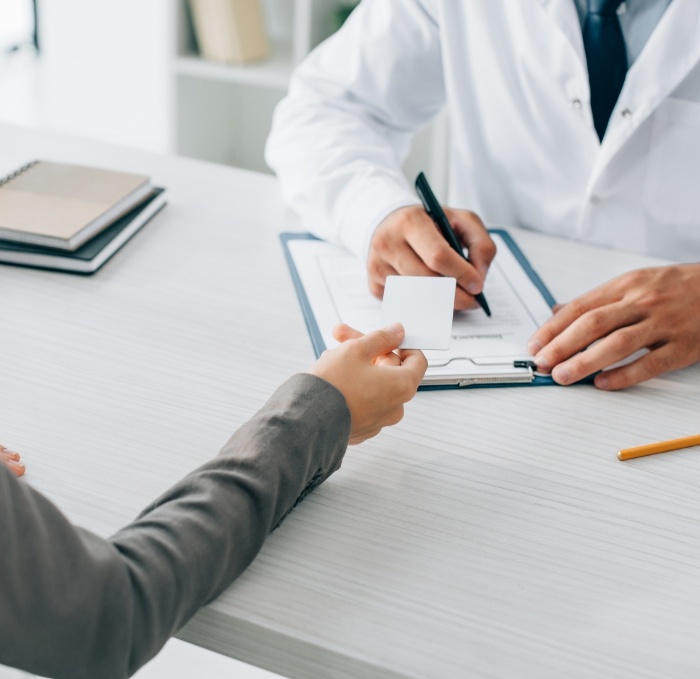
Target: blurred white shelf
x,y
223,112
273,72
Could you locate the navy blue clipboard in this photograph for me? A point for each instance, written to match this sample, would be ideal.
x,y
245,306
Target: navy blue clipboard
x,y
319,345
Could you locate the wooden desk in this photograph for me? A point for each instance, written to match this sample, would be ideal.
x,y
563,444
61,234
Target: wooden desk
x,y
493,533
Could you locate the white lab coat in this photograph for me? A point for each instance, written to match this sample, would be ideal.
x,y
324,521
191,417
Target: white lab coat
x,y
523,149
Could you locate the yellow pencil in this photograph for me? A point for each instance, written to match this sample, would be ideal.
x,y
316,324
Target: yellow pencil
x,y
661,447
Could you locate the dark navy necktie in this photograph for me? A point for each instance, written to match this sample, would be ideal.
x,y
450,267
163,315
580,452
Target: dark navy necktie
x,y
607,59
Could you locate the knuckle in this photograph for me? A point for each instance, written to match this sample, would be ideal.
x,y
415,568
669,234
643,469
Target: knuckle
x,y
411,214
375,268
581,364
654,365
577,307
596,322
635,278
556,354
437,258
546,333
489,250
415,221
652,299
383,236
658,362
625,341
486,249
575,368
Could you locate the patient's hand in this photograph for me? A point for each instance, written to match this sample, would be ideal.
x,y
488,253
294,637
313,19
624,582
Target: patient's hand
x,y
11,460
375,378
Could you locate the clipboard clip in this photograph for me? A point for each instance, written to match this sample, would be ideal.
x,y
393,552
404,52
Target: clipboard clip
x,y
525,364
485,372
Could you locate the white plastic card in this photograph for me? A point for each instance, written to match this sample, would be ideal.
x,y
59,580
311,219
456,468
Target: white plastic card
x,y
424,306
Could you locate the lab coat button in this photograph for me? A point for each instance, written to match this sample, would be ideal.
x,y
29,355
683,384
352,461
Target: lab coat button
x,y
576,103
626,114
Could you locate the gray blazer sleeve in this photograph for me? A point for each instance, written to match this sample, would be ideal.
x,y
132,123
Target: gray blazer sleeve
x,y
75,605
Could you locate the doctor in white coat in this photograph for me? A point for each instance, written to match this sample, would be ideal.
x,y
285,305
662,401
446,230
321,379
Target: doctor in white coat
x,y
525,150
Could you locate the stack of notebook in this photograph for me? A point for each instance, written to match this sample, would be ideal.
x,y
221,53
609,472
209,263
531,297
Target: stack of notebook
x,y
70,217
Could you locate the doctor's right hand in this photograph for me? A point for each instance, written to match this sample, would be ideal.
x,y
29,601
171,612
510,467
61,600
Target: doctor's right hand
x,y
375,379
409,243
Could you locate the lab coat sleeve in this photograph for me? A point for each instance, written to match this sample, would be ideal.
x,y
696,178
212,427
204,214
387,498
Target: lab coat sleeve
x,y
74,605
339,137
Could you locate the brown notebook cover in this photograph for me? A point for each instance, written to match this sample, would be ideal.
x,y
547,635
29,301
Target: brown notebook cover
x,y
62,206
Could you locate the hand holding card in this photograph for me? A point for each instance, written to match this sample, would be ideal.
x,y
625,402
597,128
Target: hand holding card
x,y
424,306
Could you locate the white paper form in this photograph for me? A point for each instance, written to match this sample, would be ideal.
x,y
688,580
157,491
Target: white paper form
x,y
335,283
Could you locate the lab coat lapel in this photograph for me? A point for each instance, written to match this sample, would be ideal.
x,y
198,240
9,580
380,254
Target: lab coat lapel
x,y
564,18
564,15
672,51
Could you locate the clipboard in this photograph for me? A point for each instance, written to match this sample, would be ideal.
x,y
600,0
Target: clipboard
x,y
331,285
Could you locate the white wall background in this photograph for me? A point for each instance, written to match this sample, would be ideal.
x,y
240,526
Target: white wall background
x,y
102,73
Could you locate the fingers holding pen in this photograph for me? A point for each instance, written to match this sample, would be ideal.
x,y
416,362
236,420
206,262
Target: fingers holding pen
x,y
437,258
475,237
408,243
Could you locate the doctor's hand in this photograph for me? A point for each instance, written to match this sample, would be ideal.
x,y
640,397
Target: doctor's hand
x,y
375,380
407,242
657,309
11,460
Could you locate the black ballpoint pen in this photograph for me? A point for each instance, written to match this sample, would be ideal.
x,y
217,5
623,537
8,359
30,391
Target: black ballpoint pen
x,y
436,213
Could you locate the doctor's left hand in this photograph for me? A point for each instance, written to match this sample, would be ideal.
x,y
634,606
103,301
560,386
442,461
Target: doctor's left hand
x,y
657,309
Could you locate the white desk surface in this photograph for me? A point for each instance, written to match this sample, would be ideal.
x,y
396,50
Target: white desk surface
x,y
493,533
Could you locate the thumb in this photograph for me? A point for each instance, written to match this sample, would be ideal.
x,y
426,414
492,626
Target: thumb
x,y
380,342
